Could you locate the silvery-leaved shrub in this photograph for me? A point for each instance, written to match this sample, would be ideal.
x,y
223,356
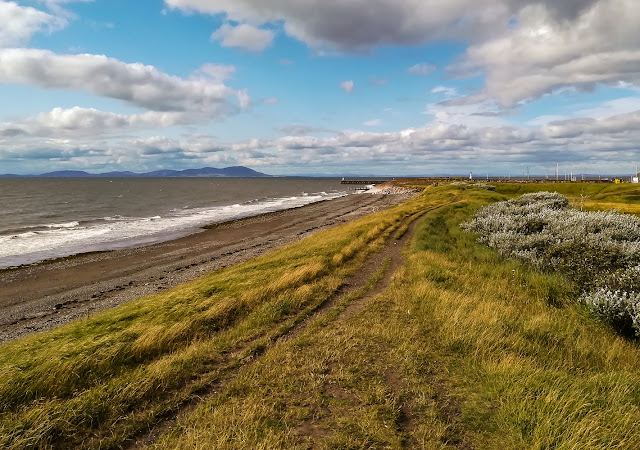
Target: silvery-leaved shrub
x,y
600,251
619,308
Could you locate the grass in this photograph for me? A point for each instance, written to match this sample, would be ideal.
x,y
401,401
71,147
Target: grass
x,y
591,196
98,381
463,349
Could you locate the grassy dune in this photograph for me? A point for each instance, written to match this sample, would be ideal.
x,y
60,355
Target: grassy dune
x,y
463,349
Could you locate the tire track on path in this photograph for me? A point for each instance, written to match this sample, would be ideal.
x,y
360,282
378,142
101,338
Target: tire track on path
x,y
249,353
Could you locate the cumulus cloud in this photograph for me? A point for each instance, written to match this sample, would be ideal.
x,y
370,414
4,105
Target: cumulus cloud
x,y
19,23
622,123
78,122
611,108
606,143
136,84
347,86
421,69
481,113
243,36
343,25
542,54
525,48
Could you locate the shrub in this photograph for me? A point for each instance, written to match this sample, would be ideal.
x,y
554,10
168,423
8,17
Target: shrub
x,y
600,251
618,308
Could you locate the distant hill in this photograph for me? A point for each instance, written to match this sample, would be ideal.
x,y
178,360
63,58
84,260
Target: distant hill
x,y
236,171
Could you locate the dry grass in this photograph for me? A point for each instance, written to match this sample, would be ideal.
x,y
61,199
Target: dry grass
x,y
463,349
98,381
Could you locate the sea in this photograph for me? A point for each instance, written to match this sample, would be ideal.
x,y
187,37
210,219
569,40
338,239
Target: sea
x,y
44,218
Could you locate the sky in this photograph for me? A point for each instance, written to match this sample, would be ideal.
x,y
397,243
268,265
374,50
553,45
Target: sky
x,y
321,87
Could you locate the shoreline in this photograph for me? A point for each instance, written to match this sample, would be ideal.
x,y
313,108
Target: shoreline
x,y
136,244
44,295
71,248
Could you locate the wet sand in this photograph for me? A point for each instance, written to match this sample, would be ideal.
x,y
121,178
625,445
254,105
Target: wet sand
x,y
42,296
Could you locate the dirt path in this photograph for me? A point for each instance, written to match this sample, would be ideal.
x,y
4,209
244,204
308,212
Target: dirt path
x,y
390,258
43,296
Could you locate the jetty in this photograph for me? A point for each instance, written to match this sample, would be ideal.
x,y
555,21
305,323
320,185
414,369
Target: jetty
x,y
363,181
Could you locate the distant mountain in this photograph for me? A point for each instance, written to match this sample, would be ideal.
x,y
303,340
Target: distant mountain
x,y
67,174
236,171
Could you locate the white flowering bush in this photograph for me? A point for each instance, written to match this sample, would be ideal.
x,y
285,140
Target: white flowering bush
x,y
600,251
619,308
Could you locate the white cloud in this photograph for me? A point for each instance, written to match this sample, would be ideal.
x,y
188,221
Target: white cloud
x,y
484,113
610,126
373,123
271,101
215,72
422,69
545,119
135,84
301,130
86,122
611,108
243,36
358,24
19,23
525,49
606,144
347,86
447,91
244,100
542,54
343,24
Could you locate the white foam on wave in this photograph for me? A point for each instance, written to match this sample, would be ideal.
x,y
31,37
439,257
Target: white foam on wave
x,y
63,225
115,231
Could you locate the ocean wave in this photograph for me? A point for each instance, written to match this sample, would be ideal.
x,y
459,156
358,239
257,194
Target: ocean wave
x,y
63,225
67,238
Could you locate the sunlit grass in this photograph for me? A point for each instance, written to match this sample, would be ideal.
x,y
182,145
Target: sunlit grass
x,y
110,374
463,349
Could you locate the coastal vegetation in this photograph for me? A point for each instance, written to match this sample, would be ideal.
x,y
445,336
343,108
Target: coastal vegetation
x,y
599,251
463,346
